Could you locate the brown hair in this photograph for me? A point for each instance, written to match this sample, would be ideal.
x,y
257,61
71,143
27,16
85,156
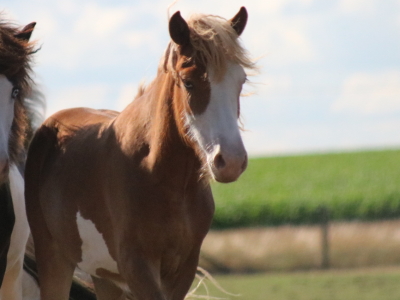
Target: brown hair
x,y
15,64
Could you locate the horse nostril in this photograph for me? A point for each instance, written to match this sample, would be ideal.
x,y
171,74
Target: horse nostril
x,y
219,161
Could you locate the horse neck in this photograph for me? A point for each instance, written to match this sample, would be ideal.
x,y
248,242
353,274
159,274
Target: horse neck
x,y
150,120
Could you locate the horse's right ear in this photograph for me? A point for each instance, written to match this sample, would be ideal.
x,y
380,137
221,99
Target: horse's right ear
x,y
239,21
179,29
25,34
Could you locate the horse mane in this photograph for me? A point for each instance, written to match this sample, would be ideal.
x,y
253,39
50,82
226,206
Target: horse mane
x,y
141,90
15,64
214,42
35,106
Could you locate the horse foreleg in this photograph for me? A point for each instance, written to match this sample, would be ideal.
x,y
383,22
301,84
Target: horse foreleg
x,y
177,286
12,283
142,278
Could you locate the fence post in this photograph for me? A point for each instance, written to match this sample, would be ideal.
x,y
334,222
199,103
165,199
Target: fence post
x,y
324,221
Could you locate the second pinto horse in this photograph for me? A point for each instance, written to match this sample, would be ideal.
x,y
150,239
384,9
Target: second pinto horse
x,y
126,196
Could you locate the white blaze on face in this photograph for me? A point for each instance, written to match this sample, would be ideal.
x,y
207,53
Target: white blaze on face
x,y
6,118
216,130
95,252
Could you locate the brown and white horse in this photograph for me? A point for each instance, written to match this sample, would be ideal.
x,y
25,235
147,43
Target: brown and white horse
x,y
15,118
126,196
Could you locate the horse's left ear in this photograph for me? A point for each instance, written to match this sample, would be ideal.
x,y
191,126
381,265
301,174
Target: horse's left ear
x,y
25,34
239,21
179,29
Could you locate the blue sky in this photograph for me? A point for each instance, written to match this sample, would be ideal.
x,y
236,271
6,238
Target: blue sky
x,y
330,70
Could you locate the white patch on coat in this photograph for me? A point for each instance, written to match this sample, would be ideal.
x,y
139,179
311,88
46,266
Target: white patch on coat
x,y
218,125
30,288
95,252
12,284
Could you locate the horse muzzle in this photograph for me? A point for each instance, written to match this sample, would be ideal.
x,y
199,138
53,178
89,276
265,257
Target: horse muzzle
x,y
227,166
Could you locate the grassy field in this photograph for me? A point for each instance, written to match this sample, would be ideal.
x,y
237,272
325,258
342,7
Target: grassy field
x,y
279,190
367,284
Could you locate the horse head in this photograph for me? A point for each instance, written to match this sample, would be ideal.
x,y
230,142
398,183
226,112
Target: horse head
x,y
207,63
14,51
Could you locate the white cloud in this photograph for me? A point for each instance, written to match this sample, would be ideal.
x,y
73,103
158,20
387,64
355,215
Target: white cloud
x,y
67,6
357,6
126,96
138,37
275,7
273,85
259,143
370,93
282,39
391,126
118,42
94,96
270,31
75,33
100,22
398,17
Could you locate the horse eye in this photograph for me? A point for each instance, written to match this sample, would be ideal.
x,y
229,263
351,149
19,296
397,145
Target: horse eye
x,y
188,84
15,92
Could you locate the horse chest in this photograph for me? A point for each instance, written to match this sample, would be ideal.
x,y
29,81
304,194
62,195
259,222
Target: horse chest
x,y
173,241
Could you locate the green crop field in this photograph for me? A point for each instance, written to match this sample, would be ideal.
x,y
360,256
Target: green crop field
x,y
382,284
290,189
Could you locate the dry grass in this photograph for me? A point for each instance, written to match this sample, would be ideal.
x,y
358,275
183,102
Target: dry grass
x,y
365,244
351,284
285,248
